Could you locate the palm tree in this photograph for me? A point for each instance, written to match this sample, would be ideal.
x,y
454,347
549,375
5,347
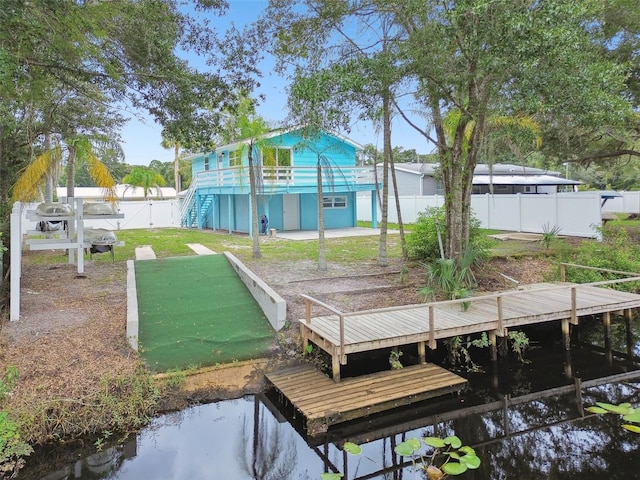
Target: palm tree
x,y
251,128
79,149
171,143
146,179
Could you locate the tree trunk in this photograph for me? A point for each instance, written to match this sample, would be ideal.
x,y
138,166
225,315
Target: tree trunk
x,y
403,242
383,260
71,171
255,232
322,254
176,168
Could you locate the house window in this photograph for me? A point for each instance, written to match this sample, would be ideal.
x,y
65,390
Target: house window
x,y
335,201
235,158
276,163
206,163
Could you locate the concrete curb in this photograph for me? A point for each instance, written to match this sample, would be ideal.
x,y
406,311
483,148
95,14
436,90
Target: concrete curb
x,y
133,323
272,304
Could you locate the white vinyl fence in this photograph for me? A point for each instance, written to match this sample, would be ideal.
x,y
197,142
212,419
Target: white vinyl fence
x,y
629,202
575,214
137,214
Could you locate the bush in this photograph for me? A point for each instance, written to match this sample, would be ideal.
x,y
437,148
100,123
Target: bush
x,y
615,252
423,243
12,448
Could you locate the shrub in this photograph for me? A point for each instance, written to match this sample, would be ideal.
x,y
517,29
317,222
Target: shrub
x,y
423,242
615,252
12,448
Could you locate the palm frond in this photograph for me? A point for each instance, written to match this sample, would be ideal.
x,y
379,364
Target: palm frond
x,y
101,175
28,185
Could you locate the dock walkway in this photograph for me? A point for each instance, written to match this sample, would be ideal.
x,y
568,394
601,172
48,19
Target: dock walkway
x,y
341,334
324,402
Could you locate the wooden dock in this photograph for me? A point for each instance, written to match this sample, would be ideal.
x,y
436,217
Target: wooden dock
x,y
341,334
324,402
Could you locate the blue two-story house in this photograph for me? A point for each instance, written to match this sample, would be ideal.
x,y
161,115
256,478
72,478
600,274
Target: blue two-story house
x,y
286,166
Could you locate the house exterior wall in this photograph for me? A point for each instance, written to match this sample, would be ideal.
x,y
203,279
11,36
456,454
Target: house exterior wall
x,y
407,182
304,153
431,186
228,183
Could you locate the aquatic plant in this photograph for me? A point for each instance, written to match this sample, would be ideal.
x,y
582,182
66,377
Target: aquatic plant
x,y
628,413
458,350
394,359
447,457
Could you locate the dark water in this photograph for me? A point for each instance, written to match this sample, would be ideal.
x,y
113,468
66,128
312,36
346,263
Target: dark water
x,y
526,421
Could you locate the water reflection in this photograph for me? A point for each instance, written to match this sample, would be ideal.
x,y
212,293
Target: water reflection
x,y
526,421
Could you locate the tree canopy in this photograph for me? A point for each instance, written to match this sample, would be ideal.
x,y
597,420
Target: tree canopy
x,y
555,62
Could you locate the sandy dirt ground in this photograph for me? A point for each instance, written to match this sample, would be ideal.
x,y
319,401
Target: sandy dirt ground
x,y
72,327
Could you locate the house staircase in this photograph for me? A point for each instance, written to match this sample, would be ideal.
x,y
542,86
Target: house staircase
x,y
190,215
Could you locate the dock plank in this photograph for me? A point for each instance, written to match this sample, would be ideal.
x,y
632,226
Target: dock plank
x,y
325,403
396,326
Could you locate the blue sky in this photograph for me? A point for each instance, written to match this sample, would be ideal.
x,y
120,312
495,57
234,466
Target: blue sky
x,y
141,137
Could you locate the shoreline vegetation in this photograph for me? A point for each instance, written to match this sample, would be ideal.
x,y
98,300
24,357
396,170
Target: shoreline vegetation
x,y
68,375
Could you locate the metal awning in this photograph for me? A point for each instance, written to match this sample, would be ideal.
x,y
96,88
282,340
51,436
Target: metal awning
x,y
522,180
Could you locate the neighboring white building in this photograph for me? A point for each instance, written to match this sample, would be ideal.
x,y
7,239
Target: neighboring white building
x,y
123,192
422,179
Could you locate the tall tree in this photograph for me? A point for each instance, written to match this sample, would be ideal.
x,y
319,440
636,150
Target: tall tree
x,y
484,59
126,50
244,125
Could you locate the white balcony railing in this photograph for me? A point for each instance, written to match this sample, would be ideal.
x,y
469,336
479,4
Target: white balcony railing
x,y
286,176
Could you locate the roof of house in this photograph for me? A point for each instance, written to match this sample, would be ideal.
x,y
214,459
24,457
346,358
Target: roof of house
x,y
522,180
481,169
273,134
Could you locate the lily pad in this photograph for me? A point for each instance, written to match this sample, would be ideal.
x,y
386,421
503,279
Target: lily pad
x,y
468,450
471,461
620,409
407,448
331,476
631,428
352,448
454,468
632,417
454,441
434,442
598,410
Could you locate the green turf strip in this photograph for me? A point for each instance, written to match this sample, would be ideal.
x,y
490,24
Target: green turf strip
x,y
195,311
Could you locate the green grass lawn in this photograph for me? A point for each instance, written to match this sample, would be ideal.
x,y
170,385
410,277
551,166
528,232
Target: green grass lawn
x,y
172,242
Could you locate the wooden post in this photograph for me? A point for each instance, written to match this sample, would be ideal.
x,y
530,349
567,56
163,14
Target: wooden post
x,y
628,331
563,272
574,315
606,322
343,357
500,331
335,365
16,262
432,328
494,347
579,401
422,354
305,338
566,338
307,305
568,366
